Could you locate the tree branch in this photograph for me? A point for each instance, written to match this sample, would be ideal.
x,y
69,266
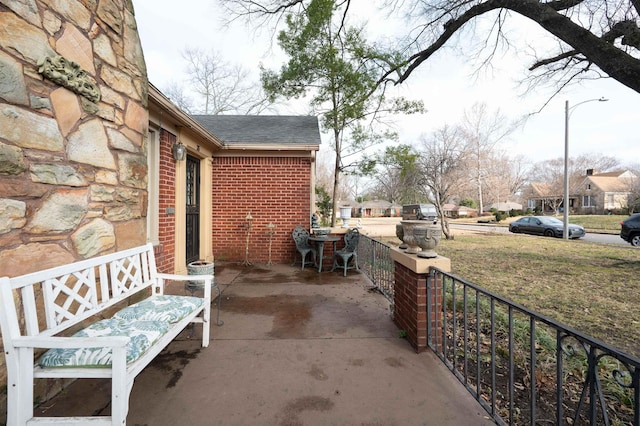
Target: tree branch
x,y
450,28
548,61
598,50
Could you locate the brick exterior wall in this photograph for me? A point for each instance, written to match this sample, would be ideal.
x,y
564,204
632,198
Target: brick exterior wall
x,y
273,189
165,251
410,307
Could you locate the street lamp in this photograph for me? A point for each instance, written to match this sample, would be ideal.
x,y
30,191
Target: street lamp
x,y
565,202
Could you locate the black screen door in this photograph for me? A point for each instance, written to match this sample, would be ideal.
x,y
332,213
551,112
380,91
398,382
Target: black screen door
x,y
193,209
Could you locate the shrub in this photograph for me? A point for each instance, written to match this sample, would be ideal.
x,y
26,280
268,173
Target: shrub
x,y
500,216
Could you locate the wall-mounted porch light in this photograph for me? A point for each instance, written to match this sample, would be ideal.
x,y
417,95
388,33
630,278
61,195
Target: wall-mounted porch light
x,y
178,150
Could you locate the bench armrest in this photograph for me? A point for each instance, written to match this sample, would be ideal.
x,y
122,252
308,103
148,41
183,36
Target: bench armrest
x,y
49,342
206,279
176,277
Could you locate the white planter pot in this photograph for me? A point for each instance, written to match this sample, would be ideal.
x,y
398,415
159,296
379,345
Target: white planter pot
x,y
345,215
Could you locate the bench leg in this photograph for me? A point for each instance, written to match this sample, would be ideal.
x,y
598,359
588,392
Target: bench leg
x,y
120,387
206,323
20,388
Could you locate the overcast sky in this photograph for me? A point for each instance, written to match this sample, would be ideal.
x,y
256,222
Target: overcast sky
x,y
445,83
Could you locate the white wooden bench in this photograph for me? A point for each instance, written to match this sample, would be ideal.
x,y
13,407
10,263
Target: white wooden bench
x,y
39,310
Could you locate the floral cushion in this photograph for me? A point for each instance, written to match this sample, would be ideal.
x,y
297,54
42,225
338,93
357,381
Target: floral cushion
x,y
166,308
143,334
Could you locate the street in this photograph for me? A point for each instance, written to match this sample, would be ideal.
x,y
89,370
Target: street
x,y
590,236
386,227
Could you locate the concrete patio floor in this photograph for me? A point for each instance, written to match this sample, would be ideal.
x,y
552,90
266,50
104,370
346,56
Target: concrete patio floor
x,y
296,348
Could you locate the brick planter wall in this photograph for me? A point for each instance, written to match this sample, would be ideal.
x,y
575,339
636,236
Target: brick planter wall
x,y
273,189
410,298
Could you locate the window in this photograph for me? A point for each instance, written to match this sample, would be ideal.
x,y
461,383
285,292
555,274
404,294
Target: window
x,y
588,186
531,204
153,186
610,201
587,201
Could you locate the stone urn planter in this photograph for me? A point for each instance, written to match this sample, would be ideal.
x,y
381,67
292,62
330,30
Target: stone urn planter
x,y
428,238
400,235
422,238
408,226
345,215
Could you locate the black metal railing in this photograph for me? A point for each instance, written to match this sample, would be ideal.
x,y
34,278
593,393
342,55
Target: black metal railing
x,y
524,368
374,259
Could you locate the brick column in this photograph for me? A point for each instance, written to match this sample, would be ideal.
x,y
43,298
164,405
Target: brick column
x,y
410,297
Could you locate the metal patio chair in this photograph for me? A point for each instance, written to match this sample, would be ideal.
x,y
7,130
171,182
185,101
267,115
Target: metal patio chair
x,y
301,238
351,239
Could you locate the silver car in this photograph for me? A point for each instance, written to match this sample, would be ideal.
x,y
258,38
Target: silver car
x,y
544,225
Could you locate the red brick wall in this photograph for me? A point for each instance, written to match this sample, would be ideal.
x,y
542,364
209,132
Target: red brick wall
x,y
410,307
165,252
273,189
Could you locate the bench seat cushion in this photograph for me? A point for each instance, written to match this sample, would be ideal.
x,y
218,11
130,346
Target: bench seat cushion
x,y
143,334
167,308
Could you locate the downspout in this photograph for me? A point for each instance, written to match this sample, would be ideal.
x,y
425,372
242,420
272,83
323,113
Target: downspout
x,y
313,185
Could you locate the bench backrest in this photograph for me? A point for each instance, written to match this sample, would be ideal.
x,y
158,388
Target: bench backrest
x,y
50,301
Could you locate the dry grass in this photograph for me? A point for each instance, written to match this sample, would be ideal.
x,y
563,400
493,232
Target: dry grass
x,y
593,288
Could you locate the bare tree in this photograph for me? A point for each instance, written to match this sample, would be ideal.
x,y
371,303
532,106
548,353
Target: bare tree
x,y
596,162
178,95
442,159
483,130
222,87
505,177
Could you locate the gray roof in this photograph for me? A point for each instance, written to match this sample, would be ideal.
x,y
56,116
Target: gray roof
x,y
274,129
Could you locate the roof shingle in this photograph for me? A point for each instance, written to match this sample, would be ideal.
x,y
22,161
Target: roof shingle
x,y
274,129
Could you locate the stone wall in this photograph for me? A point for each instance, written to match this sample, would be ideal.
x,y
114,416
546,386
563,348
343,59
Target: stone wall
x,y
73,126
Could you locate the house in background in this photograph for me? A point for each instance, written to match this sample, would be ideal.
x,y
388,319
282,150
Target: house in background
x,y
505,207
377,208
543,197
604,193
594,193
455,212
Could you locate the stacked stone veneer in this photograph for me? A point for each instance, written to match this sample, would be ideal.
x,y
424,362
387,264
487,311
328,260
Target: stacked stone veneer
x,y
73,171
274,189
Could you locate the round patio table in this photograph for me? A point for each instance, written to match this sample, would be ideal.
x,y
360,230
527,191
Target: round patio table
x,y
319,241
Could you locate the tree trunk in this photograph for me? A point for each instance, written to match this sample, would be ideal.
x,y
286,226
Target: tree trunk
x,y
336,178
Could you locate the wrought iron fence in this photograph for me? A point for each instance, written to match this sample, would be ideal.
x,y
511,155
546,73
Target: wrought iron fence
x,y
375,261
524,368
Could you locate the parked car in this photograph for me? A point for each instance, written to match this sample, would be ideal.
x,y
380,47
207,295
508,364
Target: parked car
x,y
544,225
420,212
630,231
